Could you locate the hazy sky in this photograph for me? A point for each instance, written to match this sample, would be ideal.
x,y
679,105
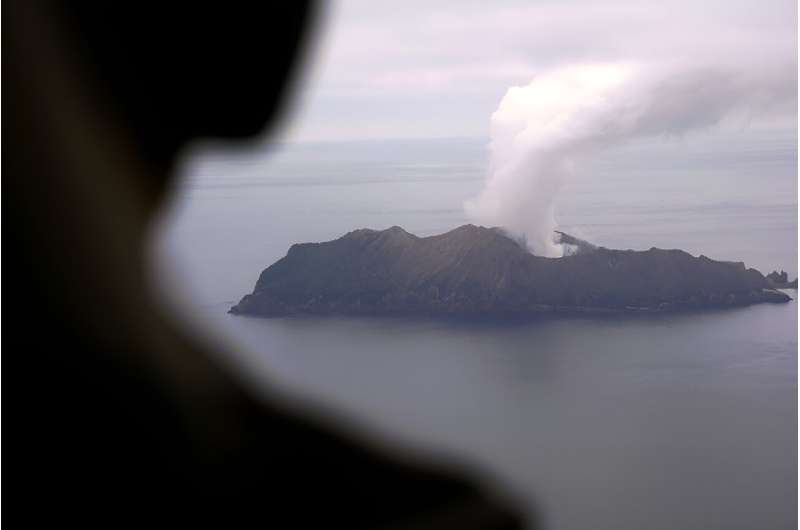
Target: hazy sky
x,y
440,68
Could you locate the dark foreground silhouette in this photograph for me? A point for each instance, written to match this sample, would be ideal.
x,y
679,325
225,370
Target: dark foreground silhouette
x,y
117,417
474,270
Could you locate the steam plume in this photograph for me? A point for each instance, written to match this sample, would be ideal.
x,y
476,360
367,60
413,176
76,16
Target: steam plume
x,y
540,131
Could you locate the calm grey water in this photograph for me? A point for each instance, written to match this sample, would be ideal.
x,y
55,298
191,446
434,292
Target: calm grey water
x,y
674,421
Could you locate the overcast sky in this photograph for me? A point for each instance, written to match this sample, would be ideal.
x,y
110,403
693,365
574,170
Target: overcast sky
x,y
416,69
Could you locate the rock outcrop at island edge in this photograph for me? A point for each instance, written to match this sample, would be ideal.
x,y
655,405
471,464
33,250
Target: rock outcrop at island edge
x,y
474,270
781,280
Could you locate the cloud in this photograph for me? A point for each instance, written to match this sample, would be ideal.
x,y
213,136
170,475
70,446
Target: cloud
x,y
543,130
454,60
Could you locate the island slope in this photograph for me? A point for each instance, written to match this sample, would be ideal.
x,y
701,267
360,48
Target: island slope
x,y
474,270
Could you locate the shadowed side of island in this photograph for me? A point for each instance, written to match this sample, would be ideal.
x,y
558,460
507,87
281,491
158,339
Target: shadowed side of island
x,y
474,270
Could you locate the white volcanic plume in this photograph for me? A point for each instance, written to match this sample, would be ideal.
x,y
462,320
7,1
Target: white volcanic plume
x,y
540,131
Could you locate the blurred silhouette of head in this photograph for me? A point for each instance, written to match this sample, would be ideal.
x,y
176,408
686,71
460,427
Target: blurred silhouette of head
x,y
124,413
183,71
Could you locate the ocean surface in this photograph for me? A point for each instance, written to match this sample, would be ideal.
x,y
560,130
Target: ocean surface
x,y
683,421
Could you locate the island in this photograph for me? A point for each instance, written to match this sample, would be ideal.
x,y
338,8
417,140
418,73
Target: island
x,y
479,271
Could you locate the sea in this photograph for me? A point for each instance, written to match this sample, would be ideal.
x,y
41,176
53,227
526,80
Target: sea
x,y
676,421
